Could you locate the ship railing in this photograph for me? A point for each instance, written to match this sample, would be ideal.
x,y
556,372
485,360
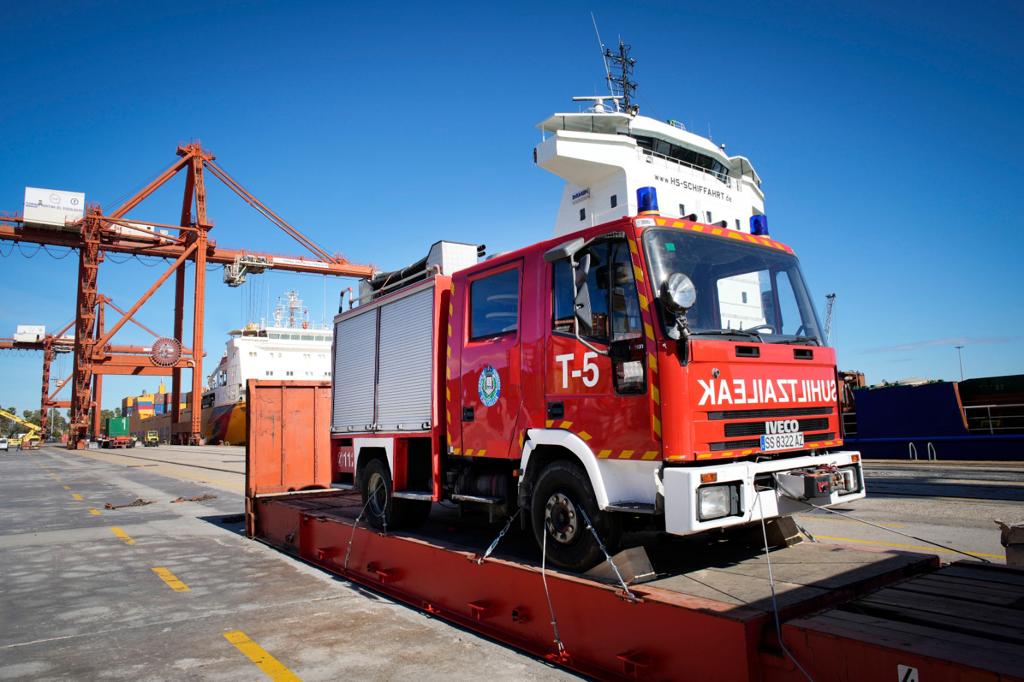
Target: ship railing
x,y
648,156
996,418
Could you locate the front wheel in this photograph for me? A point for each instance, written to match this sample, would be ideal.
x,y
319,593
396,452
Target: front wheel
x,y
562,492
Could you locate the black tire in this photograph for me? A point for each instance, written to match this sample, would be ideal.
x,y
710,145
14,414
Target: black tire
x,y
562,488
385,511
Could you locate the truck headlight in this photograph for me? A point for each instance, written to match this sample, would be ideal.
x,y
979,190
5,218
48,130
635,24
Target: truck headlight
x,y
851,480
717,501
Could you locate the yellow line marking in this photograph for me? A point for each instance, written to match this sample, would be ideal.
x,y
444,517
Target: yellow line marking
x,y
119,532
76,496
270,666
172,580
900,545
94,512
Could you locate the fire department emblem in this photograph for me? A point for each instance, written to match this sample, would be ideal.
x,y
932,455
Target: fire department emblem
x,y
489,386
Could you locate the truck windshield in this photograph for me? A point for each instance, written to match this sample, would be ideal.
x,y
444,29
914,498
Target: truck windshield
x,y
742,288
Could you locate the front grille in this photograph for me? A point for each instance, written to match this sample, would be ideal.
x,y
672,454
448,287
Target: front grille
x,y
735,445
758,428
767,414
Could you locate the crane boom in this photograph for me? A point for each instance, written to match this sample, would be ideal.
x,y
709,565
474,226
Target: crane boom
x,y
33,429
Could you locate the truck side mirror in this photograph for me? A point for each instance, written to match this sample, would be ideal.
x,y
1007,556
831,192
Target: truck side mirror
x,y
584,311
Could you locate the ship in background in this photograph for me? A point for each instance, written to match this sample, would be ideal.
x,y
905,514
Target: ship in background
x,y
291,349
973,419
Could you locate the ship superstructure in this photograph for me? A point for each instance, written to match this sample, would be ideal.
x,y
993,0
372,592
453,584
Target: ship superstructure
x,y
608,151
292,349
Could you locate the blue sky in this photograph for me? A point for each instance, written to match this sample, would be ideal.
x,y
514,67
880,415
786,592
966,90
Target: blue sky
x,y
888,136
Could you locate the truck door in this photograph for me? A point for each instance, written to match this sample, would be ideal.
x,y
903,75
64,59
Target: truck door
x,y
490,390
600,391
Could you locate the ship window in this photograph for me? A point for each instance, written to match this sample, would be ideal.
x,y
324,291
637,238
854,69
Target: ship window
x,y
743,296
737,223
270,372
615,200
682,209
708,214
494,304
684,155
583,214
289,373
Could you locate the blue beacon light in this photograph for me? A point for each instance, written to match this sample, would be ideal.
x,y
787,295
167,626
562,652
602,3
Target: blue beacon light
x,y
647,201
759,225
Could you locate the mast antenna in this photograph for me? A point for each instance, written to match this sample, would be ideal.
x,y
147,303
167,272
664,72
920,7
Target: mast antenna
x,y
604,58
621,85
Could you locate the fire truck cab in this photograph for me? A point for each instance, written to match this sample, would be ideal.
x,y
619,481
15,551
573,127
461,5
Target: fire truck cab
x,y
648,372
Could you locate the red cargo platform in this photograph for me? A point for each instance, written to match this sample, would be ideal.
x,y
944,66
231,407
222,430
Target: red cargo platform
x,y
709,618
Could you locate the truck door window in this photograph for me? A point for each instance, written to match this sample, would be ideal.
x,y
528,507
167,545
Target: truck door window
x,y
597,281
494,304
615,305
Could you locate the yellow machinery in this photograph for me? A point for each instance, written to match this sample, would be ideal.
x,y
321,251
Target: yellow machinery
x,y
34,431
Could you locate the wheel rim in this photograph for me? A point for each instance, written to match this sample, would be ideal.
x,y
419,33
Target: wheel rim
x,y
377,494
561,519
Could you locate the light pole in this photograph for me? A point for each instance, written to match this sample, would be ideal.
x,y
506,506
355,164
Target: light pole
x,y
960,356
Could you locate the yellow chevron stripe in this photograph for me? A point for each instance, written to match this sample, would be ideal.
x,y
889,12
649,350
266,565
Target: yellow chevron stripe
x,y
456,451
481,453
565,425
656,425
448,372
632,247
638,273
549,423
448,392
703,455
644,303
655,395
652,362
604,454
650,454
469,452
649,331
449,351
584,435
626,454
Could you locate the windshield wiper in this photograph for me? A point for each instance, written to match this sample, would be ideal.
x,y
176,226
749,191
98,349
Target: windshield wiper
x,y
728,332
798,339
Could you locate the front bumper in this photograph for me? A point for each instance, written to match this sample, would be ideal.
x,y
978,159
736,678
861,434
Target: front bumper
x,y
758,496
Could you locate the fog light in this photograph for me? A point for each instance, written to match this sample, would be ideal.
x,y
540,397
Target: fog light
x,y
716,501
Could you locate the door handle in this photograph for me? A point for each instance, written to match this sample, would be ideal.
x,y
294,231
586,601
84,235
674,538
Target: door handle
x,y
467,414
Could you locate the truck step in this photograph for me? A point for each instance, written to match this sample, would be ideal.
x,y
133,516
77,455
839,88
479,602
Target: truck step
x,y
481,499
412,495
343,486
631,507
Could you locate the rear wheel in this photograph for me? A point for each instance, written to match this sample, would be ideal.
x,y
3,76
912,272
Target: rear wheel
x,y
562,492
383,510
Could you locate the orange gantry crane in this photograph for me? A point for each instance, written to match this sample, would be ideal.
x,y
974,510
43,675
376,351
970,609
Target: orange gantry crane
x,y
97,233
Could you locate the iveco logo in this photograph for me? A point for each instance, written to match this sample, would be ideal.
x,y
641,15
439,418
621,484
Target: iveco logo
x,y
784,426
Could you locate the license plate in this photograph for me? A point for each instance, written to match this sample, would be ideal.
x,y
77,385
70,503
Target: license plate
x,y
782,441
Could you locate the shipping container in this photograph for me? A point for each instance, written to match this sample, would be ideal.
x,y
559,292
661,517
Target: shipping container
x,y
116,426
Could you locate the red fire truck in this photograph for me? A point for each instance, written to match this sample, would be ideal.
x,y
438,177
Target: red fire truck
x,y
645,373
